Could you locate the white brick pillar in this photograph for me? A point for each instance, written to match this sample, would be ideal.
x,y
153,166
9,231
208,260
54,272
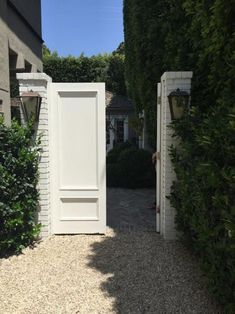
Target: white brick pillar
x,y
170,81
38,82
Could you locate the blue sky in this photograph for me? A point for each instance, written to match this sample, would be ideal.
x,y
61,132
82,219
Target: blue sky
x,y
76,26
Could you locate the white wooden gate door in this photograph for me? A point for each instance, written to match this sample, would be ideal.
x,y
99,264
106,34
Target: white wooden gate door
x,y
77,158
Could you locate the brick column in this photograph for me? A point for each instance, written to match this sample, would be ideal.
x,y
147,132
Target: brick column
x,y
38,82
170,81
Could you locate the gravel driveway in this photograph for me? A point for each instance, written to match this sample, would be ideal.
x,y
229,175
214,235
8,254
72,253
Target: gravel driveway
x,y
129,270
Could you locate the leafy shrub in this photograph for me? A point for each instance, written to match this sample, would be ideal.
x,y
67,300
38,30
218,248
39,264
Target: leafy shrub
x,y
18,194
133,169
204,194
114,179
113,155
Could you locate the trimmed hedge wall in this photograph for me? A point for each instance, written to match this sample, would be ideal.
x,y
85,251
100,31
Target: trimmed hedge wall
x,y
108,68
18,193
176,35
198,36
204,194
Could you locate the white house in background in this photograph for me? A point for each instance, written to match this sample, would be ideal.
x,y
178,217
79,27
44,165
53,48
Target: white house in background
x,y
119,111
143,137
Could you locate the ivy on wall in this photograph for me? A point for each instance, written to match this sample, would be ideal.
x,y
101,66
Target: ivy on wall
x,y
198,36
204,194
151,46
179,35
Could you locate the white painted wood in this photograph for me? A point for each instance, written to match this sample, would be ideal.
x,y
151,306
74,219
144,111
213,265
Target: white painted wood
x,y
78,151
158,163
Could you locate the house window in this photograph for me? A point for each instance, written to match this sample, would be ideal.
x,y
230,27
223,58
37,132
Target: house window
x,y
120,131
107,132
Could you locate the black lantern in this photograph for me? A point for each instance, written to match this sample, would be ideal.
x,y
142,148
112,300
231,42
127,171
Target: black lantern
x,y
179,103
31,104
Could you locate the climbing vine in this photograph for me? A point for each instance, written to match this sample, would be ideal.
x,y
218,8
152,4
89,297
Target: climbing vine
x,y
179,35
198,36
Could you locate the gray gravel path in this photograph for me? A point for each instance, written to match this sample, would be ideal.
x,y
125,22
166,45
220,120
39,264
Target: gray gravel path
x,y
129,270
130,210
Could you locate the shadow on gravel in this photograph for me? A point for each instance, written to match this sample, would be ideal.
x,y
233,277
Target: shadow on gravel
x,y
148,275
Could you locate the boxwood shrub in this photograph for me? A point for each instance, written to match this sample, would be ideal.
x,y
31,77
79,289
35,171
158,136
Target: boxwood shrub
x,y
114,154
130,168
19,156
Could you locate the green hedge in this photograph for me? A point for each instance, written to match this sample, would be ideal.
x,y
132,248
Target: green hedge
x,y
204,194
179,35
108,68
197,36
129,167
18,194
114,154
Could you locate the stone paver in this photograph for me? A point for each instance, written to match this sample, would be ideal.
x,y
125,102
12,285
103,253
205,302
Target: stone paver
x,y
130,270
131,209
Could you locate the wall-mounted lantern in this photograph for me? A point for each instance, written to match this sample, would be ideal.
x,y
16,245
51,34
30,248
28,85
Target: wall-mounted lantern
x,y
31,104
1,102
179,103
1,112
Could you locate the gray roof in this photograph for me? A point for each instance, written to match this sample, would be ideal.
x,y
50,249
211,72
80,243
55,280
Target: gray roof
x,y
118,102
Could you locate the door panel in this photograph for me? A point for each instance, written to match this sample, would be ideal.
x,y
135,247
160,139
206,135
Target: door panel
x,y
78,169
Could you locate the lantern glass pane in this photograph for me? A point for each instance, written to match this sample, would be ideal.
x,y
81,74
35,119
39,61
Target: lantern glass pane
x,y
178,107
30,105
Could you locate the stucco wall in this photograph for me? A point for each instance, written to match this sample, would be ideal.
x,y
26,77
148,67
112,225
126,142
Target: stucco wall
x,y
24,40
4,64
25,36
31,10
